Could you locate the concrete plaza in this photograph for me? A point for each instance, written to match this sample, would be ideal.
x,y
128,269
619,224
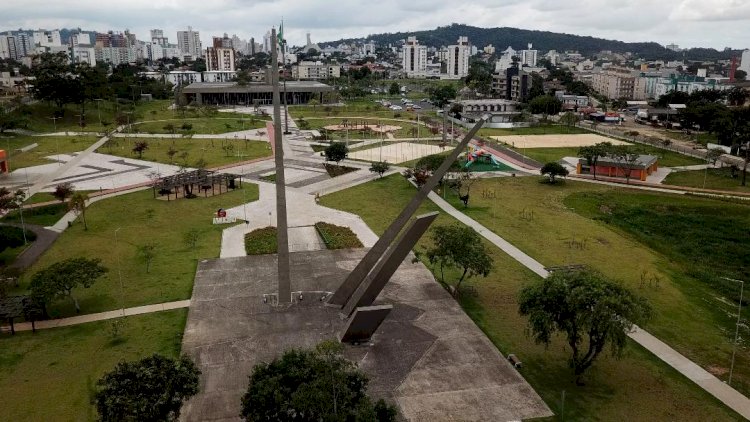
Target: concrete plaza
x,y
427,357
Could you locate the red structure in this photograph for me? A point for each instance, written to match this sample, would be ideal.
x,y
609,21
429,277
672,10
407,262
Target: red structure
x,y
4,168
733,69
608,167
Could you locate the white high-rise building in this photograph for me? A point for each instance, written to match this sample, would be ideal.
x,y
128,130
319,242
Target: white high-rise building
x,y
84,54
80,39
506,60
189,42
24,45
745,62
8,47
157,36
414,58
47,38
458,59
529,57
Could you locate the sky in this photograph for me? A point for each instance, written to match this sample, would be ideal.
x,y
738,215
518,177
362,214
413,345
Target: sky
x,y
688,23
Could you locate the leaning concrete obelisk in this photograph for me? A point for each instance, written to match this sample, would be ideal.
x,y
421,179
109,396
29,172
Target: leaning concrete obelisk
x,y
282,233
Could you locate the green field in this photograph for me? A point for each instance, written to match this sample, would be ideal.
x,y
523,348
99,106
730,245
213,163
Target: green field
x,y
214,152
666,158
41,216
636,387
140,219
362,108
720,179
203,125
261,241
337,237
61,366
47,146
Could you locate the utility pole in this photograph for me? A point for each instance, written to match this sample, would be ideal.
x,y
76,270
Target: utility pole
x,y
286,105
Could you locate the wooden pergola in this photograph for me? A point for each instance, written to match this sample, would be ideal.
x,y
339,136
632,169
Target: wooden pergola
x,y
12,307
204,180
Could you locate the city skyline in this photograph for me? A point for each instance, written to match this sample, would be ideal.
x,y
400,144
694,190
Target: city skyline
x,y
688,23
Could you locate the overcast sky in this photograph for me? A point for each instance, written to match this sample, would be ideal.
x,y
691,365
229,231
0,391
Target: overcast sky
x,y
689,23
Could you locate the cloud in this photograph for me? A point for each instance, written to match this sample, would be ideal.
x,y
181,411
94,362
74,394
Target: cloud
x,y
711,10
687,22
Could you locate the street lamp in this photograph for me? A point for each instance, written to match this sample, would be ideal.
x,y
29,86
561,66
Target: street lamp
x,y
98,111
736,328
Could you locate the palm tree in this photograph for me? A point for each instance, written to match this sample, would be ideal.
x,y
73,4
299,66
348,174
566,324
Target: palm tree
x,y
78,204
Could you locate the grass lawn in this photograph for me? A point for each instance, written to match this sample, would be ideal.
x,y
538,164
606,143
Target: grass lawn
x,y
40,113
692,316
360,109
42,216
337,237
141,219
666,158
47,145
720,178
261,241
62,365
215,152
203,125
636,387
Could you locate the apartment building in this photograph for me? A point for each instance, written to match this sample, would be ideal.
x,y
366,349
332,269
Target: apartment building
x,y
47,38
511,84
189,42
307,70
457,63
414,58
8,48
221,59
614,83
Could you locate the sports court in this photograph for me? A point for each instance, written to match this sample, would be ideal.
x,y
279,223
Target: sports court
x,y
555,140
396,152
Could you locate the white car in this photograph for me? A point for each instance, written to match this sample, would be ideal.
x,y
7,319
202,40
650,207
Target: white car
x,y
416,107
396,107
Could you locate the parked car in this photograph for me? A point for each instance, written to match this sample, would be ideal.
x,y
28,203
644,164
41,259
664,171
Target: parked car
x,y
416,107
396,107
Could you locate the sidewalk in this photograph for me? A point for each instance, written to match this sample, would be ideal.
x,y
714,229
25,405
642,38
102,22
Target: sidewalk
x,y
724,393
102,316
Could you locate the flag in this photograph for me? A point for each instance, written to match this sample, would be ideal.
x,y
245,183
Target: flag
x,y
280,35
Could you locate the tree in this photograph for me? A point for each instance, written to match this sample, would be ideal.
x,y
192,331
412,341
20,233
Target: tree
x,y
170,127
737,96
740,75
10,200
336,152
588,309
10,118
569,119
545,104
592,153
380,167
394,89
151,389
461,185
480,76
171,151
139,147
441,95
58,280
713,155
311,385
63,191
460,247
626,158
552,170
78,204
147,252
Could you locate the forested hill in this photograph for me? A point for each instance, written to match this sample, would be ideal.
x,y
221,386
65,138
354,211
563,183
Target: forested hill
x,y
501,38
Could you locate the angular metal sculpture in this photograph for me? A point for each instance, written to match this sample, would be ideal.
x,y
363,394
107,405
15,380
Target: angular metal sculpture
x,y
374,283
365,321
282,230
356,277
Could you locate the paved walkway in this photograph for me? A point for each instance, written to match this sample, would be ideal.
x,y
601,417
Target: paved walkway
x,y
727,395
102,316
44,239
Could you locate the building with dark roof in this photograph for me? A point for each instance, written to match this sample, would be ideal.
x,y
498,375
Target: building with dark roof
x,y
228,93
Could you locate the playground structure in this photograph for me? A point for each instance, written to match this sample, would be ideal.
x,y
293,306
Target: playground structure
x,y
476,155
362,125
3,162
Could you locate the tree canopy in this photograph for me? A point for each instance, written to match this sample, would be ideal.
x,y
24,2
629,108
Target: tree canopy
x,y
545,104
59,279
151,389
336,151
552,170
311,385
443,94
459,247
588,309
